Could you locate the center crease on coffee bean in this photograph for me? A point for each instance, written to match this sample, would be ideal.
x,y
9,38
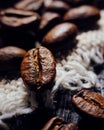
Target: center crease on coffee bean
x,y
38,68
93,101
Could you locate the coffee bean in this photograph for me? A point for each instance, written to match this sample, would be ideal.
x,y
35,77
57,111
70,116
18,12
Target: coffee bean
x,y
53,123
83,15
48,20
38,67
56,6
10,58
90,103
60,35
31,5
19,19
57,123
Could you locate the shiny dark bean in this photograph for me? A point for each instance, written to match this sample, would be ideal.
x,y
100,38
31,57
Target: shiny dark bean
x,y
48,20
11,58
19,19
57,123
56,6
82,15
91,103
61,35
38,67
31,5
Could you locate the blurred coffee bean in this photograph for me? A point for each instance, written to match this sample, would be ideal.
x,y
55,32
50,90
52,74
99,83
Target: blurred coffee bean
x,y
48,20
90,103
19,19
57,123
82,16
38,68
60,35
56,6
10,58
31,5
52,123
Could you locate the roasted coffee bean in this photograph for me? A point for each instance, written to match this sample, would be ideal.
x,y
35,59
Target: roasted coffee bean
x,y
57,123
83,15
90,103
48,20
38,67
60,34
53,123
19,19
31,5
11,58
56,6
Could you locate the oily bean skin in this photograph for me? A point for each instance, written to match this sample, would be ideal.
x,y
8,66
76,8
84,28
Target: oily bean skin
x,y
48,16
19,19
38,67
56,6
11,58
90,103
57,123
31,5
82,14
60,33
48,20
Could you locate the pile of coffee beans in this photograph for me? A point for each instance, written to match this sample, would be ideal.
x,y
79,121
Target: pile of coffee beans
x,y
50,23
57,123
26,22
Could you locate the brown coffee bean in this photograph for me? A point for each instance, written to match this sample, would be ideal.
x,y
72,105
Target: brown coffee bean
x,y
19,19
60,34
57,123
56,6
31,5
90,103
10,58
48,20
53,123
38,67
83,15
